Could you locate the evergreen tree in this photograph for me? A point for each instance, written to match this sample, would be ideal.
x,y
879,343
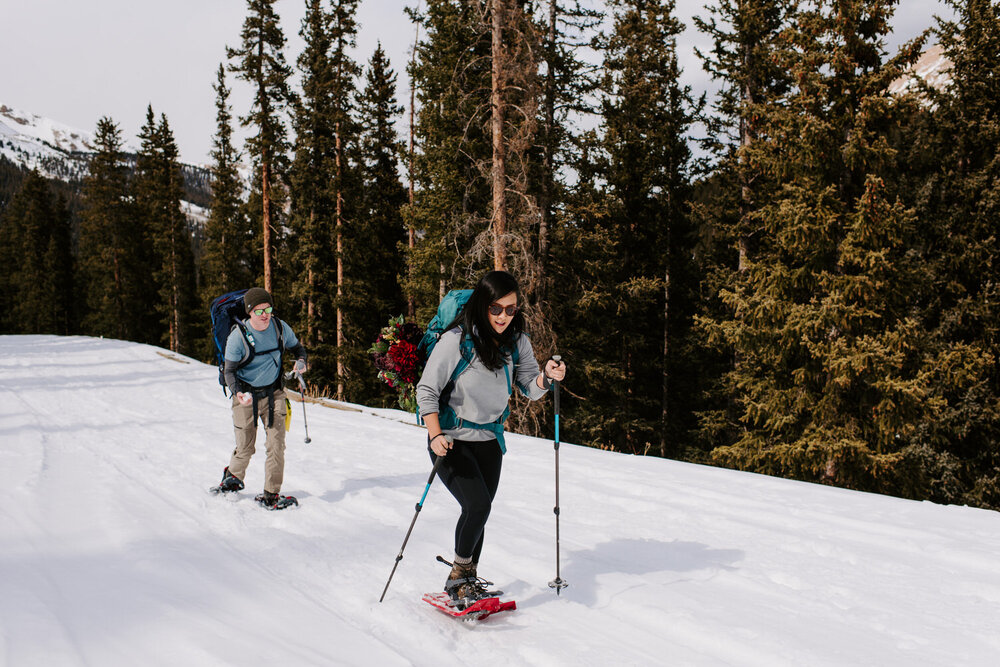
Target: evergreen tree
x,y
326,191
345,189
260,61
313,201
379,230
831,371
474,165
158,189
35,261
568,85
746,60
229,237
113,275
953,142
450,73
625,252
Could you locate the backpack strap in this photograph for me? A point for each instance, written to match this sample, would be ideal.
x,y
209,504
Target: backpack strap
x,y
447,416
250,351
248,354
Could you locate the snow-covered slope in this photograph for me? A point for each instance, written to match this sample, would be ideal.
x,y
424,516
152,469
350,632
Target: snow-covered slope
x,y
113,553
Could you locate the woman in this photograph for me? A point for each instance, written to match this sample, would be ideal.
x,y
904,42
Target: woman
x,y
465,418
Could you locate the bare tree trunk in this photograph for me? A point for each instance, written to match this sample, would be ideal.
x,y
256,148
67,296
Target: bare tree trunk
x,y
175,319
544,206
746,194
119,303
665,407
499,171
311,288
340,273
310,307
411,306
266,203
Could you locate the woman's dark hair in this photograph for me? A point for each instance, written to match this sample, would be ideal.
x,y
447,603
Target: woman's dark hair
x,y
491,347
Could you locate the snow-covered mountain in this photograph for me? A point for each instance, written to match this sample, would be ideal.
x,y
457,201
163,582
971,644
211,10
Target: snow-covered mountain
x,y
933,68
55,150
61,152
112,552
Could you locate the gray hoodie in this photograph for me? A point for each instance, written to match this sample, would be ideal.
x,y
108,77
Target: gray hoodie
x,y
480,395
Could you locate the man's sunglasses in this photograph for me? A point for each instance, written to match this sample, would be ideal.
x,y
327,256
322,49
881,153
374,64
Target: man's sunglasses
x,y
496,309
261,311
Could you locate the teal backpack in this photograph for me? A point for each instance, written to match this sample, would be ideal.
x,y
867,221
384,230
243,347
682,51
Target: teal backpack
x,y
448,310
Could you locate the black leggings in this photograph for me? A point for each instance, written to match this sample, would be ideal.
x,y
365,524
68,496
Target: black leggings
x,y
471,471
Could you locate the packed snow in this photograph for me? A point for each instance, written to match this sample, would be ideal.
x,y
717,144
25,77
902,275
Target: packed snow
x,y
112,551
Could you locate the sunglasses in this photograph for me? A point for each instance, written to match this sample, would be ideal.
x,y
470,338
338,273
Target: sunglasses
x,y
496,309
261,311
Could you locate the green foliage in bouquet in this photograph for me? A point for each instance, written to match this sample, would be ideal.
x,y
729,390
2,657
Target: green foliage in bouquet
x,y
398,360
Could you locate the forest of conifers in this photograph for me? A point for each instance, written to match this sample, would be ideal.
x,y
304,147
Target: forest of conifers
x,y
797,275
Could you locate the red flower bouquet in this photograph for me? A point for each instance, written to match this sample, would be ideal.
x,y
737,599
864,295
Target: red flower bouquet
x,y
398,360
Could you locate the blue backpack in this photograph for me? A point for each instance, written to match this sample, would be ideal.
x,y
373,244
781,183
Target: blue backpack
x,y
448,311
227,312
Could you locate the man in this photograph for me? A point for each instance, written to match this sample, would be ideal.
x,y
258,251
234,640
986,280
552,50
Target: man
x,y
253,374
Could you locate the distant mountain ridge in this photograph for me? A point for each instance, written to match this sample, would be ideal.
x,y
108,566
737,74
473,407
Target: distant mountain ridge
x,y
933,68
60,152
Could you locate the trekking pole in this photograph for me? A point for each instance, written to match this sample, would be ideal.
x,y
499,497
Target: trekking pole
x,y
420,506
302,390
558,583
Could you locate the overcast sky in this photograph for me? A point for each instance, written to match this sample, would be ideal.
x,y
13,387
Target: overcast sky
x,y
75,61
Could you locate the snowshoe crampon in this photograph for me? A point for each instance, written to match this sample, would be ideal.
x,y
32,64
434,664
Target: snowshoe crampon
x,y
474,610
273,501
229,484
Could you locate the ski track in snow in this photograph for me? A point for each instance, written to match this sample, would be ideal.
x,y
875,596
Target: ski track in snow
x,y
112,551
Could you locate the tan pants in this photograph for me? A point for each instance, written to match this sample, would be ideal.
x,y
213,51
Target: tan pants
x,y
246,436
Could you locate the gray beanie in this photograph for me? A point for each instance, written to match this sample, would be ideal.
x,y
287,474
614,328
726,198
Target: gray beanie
x,y
256,296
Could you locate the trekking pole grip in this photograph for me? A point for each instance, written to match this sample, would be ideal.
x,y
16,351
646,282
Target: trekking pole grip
x,y
555,398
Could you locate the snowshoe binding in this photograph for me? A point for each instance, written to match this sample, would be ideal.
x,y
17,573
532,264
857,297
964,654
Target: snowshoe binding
x,y
274,501
464,586
229,483
467,596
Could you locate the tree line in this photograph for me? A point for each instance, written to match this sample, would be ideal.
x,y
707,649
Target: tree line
x,y
811,294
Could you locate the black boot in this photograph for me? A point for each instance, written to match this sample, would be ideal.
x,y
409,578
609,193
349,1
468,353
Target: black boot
x,y
274,501
230,482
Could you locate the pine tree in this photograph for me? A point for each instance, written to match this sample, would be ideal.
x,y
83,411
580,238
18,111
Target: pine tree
x,y
476,210
312,245
625,250
228,237
954,141
450,72
746,60
158,192
380,231
345,184
36,262
260,61
113,275
568,85
831,375
327,190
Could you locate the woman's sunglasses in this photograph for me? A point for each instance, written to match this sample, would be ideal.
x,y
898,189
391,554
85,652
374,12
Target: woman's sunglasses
x,y
261,311
496,309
